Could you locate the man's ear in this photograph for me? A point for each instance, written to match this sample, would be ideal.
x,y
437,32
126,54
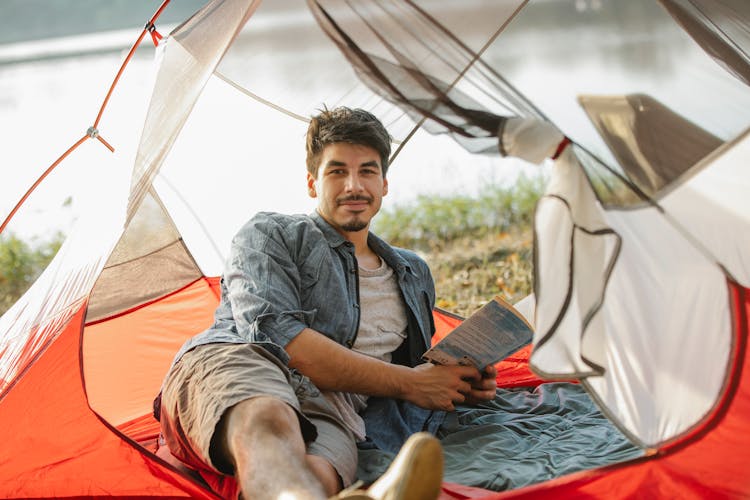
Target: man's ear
x,y
311,186
385,186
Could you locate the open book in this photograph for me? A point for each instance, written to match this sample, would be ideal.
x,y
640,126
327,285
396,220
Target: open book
x,y
489,335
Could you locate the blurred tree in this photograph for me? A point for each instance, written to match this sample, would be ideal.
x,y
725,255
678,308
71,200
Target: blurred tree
x,y
21,264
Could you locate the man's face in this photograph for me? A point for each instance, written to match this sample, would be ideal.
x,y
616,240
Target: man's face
x,y
349,186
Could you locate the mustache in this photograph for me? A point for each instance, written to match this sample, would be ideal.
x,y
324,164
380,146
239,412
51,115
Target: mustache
x,y
353,197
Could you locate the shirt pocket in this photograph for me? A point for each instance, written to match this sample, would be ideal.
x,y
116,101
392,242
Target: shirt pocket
x,y
310,268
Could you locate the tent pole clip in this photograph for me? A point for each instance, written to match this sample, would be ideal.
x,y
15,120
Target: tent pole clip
x,y
93,132
155,36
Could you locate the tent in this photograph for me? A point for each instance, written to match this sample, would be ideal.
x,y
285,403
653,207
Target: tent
x,y
641,261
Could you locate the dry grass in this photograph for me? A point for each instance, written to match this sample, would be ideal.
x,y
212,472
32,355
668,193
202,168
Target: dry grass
x,y
469,271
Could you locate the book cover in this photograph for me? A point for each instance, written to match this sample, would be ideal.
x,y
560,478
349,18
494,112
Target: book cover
x,y
489,335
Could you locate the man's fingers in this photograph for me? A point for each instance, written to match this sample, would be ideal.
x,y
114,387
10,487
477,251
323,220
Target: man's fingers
x,y
465,388
477,397
468,372
488,394
486,384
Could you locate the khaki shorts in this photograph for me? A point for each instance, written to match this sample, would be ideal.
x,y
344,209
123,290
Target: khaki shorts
x,y
212,378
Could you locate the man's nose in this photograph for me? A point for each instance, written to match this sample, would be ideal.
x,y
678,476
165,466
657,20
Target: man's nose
x,y
354,182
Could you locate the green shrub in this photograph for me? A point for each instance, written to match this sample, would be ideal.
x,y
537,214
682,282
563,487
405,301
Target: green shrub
x,y
21,264
432,221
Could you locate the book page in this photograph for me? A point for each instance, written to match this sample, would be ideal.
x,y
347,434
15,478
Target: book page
x,y
486,337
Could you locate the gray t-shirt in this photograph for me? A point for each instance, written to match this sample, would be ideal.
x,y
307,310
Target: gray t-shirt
x,y
382,329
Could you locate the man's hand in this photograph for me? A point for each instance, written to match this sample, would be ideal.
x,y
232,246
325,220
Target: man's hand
x,y
484,389
441,387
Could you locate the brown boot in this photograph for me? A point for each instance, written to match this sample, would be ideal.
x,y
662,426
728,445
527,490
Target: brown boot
x,y
415,474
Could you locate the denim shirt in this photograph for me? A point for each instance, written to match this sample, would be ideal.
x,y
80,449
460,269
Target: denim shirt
x,y
288,272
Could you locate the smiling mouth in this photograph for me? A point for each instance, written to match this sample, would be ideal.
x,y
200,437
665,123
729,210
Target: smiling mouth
x,y
354,201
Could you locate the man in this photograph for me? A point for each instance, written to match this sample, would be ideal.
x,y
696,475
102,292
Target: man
x,y
317,341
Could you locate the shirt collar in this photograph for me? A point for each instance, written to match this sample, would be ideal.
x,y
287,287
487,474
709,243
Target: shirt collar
x,y
380,247
333,237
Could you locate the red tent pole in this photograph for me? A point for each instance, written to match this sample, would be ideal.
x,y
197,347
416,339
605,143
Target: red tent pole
x,y
92,131
149,28
39,181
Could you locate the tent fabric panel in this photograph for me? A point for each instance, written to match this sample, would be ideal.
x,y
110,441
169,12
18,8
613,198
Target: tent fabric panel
x,y
713,207
575,250
191,54
61,289
149,260
55,447
150,229
663,293
722,449
722,29
139,281
592,276
653,144
425,65
126,358
649,54
144,430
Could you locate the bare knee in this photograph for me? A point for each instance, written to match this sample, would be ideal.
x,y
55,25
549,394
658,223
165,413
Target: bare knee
x,y
265,414
326,474
255,422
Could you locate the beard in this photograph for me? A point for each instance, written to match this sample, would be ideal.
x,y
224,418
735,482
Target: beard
x,y
354,226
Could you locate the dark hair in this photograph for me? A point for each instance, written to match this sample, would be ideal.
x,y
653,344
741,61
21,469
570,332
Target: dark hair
x,y
342,124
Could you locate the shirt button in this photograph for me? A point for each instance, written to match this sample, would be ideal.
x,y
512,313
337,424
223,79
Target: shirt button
x,y
352,270
349,343
356,306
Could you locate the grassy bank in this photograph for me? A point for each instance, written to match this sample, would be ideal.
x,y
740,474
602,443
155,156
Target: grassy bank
x,y
477,247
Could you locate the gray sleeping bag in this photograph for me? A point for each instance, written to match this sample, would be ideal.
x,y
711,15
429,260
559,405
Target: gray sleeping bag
x,y
524,436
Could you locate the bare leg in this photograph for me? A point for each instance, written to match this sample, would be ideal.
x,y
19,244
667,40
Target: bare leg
x,y
263,439
325,473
